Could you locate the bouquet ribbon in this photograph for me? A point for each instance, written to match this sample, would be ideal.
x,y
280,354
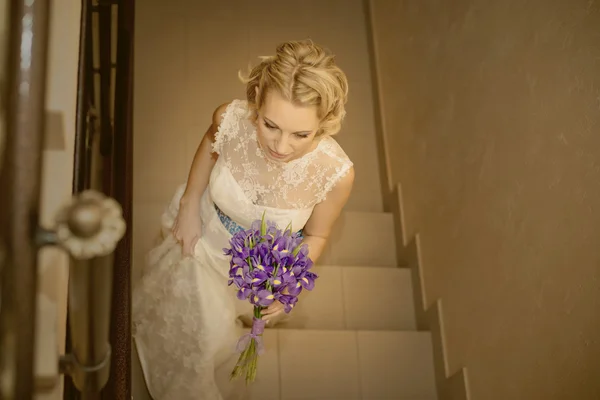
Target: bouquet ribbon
x,y
258,327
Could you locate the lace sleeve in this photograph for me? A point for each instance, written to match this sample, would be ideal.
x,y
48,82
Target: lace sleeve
x,y
328,169
227,127
333,180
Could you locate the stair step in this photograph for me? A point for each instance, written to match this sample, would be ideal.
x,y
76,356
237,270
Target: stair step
x,y
368,298
362,238
316,364
396,365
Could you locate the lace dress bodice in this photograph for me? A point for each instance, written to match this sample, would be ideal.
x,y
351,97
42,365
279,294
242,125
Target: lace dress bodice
x,y
244,182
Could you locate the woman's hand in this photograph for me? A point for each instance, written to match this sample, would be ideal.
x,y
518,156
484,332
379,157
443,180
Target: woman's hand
x,y
187,228
273,311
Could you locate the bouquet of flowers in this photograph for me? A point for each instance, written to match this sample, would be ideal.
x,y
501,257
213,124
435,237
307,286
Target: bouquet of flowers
x,y
267,265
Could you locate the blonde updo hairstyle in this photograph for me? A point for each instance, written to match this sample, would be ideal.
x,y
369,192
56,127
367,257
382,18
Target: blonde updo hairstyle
x,y
304,74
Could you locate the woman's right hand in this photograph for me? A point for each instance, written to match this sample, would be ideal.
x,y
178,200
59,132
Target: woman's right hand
x,y
188,227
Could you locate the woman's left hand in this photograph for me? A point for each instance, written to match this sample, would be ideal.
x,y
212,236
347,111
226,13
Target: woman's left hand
x,y
273,311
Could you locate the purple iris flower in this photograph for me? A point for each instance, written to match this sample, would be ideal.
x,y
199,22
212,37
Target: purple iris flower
x,y
238,281
307,280
277,279
294,288
239,274
259,277
255,261
244,252
282,243
267,262
239,261
263,250
243,293
288,301
267,265
288,276
263,298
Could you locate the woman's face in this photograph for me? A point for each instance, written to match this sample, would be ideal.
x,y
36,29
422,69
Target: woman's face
x,y
286,131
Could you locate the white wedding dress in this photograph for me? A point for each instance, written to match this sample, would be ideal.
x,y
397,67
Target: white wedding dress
x,y
184,313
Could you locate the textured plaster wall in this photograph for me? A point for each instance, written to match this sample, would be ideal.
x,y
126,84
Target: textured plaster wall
x,y
492,116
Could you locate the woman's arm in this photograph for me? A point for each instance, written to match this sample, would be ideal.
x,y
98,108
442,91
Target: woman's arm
x,y
188,225
204,161
320,224
318,228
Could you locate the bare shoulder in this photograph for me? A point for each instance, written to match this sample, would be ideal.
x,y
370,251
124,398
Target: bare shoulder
x,y
347,181
217,117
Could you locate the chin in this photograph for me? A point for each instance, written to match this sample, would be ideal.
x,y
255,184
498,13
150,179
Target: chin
x,y
276,156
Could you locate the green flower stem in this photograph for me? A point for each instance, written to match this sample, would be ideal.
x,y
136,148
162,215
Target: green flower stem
x,y
241,364
252,365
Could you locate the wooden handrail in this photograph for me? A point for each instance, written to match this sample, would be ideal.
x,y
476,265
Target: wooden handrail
x,y
20,180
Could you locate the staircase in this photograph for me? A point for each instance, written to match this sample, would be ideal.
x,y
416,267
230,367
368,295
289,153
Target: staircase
x,y
354,336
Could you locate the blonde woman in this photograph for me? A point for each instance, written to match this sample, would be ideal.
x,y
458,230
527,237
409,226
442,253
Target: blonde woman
x,y
273,153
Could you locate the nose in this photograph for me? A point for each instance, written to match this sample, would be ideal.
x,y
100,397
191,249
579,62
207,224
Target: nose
x,y
282,144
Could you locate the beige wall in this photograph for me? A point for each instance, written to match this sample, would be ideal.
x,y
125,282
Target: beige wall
x,y
491,112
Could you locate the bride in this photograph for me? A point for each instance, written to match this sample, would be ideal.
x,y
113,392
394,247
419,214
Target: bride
x,y
271,153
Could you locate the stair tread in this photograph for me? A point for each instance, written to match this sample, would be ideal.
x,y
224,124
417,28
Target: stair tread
x,y
348,364
396,332
345,297
362,238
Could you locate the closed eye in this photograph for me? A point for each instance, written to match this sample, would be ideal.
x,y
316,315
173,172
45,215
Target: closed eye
x,y
271,127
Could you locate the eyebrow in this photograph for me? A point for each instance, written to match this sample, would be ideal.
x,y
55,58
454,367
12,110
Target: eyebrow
x,y
277,126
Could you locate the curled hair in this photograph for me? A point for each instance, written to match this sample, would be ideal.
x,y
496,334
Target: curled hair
x,y
304,74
